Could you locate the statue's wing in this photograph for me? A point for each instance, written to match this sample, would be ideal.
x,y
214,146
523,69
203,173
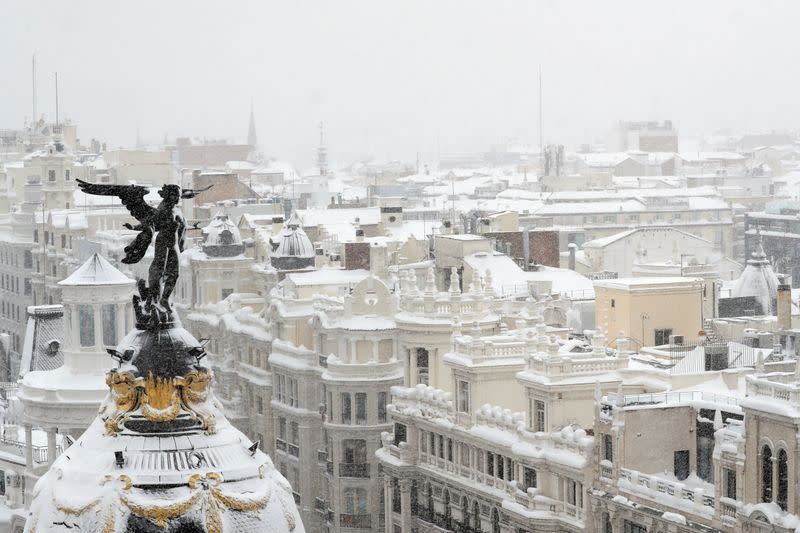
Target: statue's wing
x,y
191,193
132,197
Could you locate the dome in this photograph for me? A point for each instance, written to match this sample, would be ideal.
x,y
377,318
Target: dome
x,y
292,249
759,281
221,238
161,456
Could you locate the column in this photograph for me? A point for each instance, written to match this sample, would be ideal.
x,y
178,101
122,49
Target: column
x,y
28,446
775,476
51,445
387,503
375,351
405,505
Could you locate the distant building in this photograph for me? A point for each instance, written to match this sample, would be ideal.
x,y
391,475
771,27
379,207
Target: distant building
x,y
649,136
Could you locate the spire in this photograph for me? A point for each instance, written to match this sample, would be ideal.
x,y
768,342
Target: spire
x,y
322,152
252,138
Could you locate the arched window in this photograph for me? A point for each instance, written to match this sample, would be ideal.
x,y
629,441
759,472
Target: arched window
x,y
783,479
448,514
429,494
476,516
414,499
465,514
766,474
495,521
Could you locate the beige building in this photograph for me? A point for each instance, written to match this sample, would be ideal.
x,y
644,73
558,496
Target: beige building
x,y
650,310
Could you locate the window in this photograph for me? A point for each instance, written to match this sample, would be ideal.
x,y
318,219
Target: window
x,y
226,293
681,464
396,501
259,404
294,433
422,366
539,418
361,408
36,235
281,428
63,241
631,527
347,410
574,494
86,318
662,336
783,480
465,455
441,446
354,451
490,463
450,450
381,407
766,474
400,434
463,396
499,460
613,302
51,175
528,478
608,448
109,325
66,174
730,483
355,501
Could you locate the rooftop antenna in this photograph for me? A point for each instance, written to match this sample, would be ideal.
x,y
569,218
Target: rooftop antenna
x,y
541,137
57,123
33,88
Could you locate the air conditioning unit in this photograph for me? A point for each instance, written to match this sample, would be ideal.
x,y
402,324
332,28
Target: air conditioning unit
x,y
676,340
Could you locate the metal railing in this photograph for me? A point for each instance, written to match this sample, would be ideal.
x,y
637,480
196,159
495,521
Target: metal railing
x,y
358,470
355,521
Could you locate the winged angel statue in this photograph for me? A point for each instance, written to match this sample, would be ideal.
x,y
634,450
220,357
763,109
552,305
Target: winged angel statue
x,y
166,221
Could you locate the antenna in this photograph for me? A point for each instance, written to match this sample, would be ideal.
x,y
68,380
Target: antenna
x,y
33,88
57,99
541,137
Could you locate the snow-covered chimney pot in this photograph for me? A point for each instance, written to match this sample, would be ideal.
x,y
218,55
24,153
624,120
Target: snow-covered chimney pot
x,y
573,248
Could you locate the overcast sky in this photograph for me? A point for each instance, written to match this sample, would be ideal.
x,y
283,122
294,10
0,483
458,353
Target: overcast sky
x,y
394,78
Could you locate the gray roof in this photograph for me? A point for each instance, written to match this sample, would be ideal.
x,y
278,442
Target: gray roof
x,y
44,337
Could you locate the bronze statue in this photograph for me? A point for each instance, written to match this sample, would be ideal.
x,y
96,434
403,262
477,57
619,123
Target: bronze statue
x,y
152,306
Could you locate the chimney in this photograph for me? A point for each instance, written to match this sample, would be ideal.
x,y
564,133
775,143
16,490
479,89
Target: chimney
x,y
573,248
784,307
277,225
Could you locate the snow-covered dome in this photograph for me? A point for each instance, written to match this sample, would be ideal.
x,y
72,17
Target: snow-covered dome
x,y
221,238
758,280
292,249
161,456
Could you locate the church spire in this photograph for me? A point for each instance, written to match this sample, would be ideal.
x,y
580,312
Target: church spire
x,y
252,138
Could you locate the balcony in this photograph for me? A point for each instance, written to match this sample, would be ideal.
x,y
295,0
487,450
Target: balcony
x,y
294,450
358,470
355,521
322,456
320,505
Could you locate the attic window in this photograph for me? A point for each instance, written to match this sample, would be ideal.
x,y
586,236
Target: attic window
x,y
52,348
371,298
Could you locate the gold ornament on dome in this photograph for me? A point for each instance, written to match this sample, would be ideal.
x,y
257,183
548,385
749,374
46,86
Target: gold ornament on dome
x,y
158,399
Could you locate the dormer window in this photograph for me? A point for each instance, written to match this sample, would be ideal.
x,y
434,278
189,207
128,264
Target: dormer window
x,y
462,390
